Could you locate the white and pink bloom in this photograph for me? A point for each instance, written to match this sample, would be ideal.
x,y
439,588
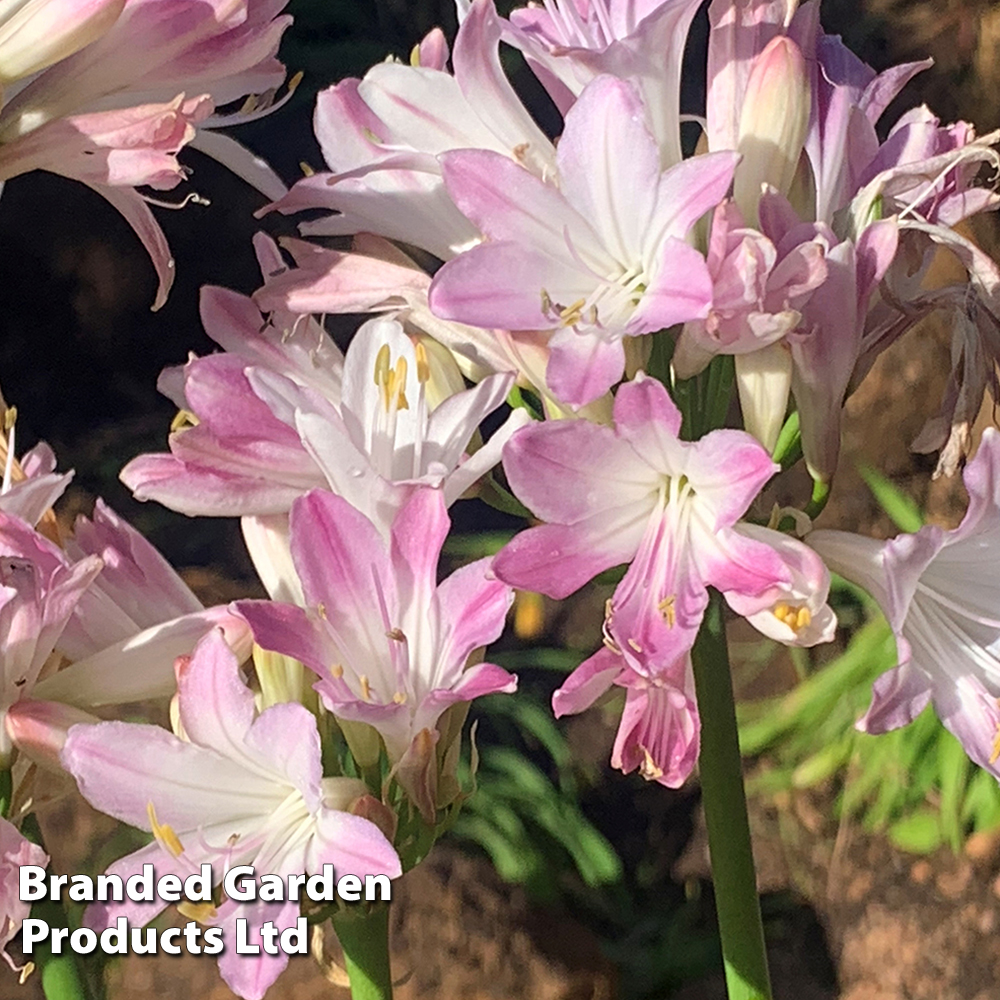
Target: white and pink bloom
x,y
598,257
30,485
282,413
390,645
382,136
115,112
568,43
15,851
35,607
236,788
940,591
638,494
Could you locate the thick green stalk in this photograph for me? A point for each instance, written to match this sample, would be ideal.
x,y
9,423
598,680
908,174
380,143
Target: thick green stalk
x,y
364,936
725,805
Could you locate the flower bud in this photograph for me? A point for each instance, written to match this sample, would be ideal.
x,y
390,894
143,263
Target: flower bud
x,y
35,34
39,728
764,379
773,124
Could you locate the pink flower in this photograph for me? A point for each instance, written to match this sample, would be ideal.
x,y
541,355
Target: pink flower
x,y
115,113
390,645
639,494
239,788
940,591
381,137
15,850
600,257
35,607
278,415
568,43
110,603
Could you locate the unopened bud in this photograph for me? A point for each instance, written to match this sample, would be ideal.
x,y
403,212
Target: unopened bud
x,y
773,124
37,33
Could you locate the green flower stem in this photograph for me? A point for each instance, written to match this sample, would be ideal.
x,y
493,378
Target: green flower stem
x,y
364,936
725,805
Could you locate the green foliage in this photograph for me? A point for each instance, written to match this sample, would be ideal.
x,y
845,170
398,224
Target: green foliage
x,y
915,784
901,507
527,816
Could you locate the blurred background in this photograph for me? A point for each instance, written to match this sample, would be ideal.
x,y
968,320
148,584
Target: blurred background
x,y
879,859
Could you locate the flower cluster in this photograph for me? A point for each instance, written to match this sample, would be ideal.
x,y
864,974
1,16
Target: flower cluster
x,y
599,298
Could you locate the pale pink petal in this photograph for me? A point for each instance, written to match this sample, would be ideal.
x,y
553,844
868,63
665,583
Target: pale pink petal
x,y
587,683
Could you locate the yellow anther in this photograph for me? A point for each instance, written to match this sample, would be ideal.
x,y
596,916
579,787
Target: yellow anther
x,y
336,671
203,913
572,314
546,302
396,634
667,608
183,420
26,970
382,360
9,418
366,690
164,833
521,151
796,618
649,769
321,610
415,55
307,171
249,104
296,79
399,698
423,368
635,645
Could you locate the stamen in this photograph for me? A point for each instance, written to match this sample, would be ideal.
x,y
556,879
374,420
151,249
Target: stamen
x,y
667,608
164,833
423,367
996,747
366,691
796,618
399,698
336,671
649,769
635,645
321,610
204,913
396,634
183,420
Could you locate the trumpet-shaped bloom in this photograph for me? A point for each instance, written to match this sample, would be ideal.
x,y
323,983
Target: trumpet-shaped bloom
x,y
381,137
638,494
272,424
599,257
15,850
34,609
939,591
390,645
115,112
568,43
239,788
122,629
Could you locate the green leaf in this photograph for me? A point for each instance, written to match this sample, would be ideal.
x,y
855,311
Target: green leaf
x,y
918,833
901,508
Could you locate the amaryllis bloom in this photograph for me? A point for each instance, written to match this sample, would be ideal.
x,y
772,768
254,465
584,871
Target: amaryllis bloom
x,y
35,34
122,629
570,42
284,414
600,256
35,607
15,850
638,494
381,137
940,591
115,113
236,788
390,644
